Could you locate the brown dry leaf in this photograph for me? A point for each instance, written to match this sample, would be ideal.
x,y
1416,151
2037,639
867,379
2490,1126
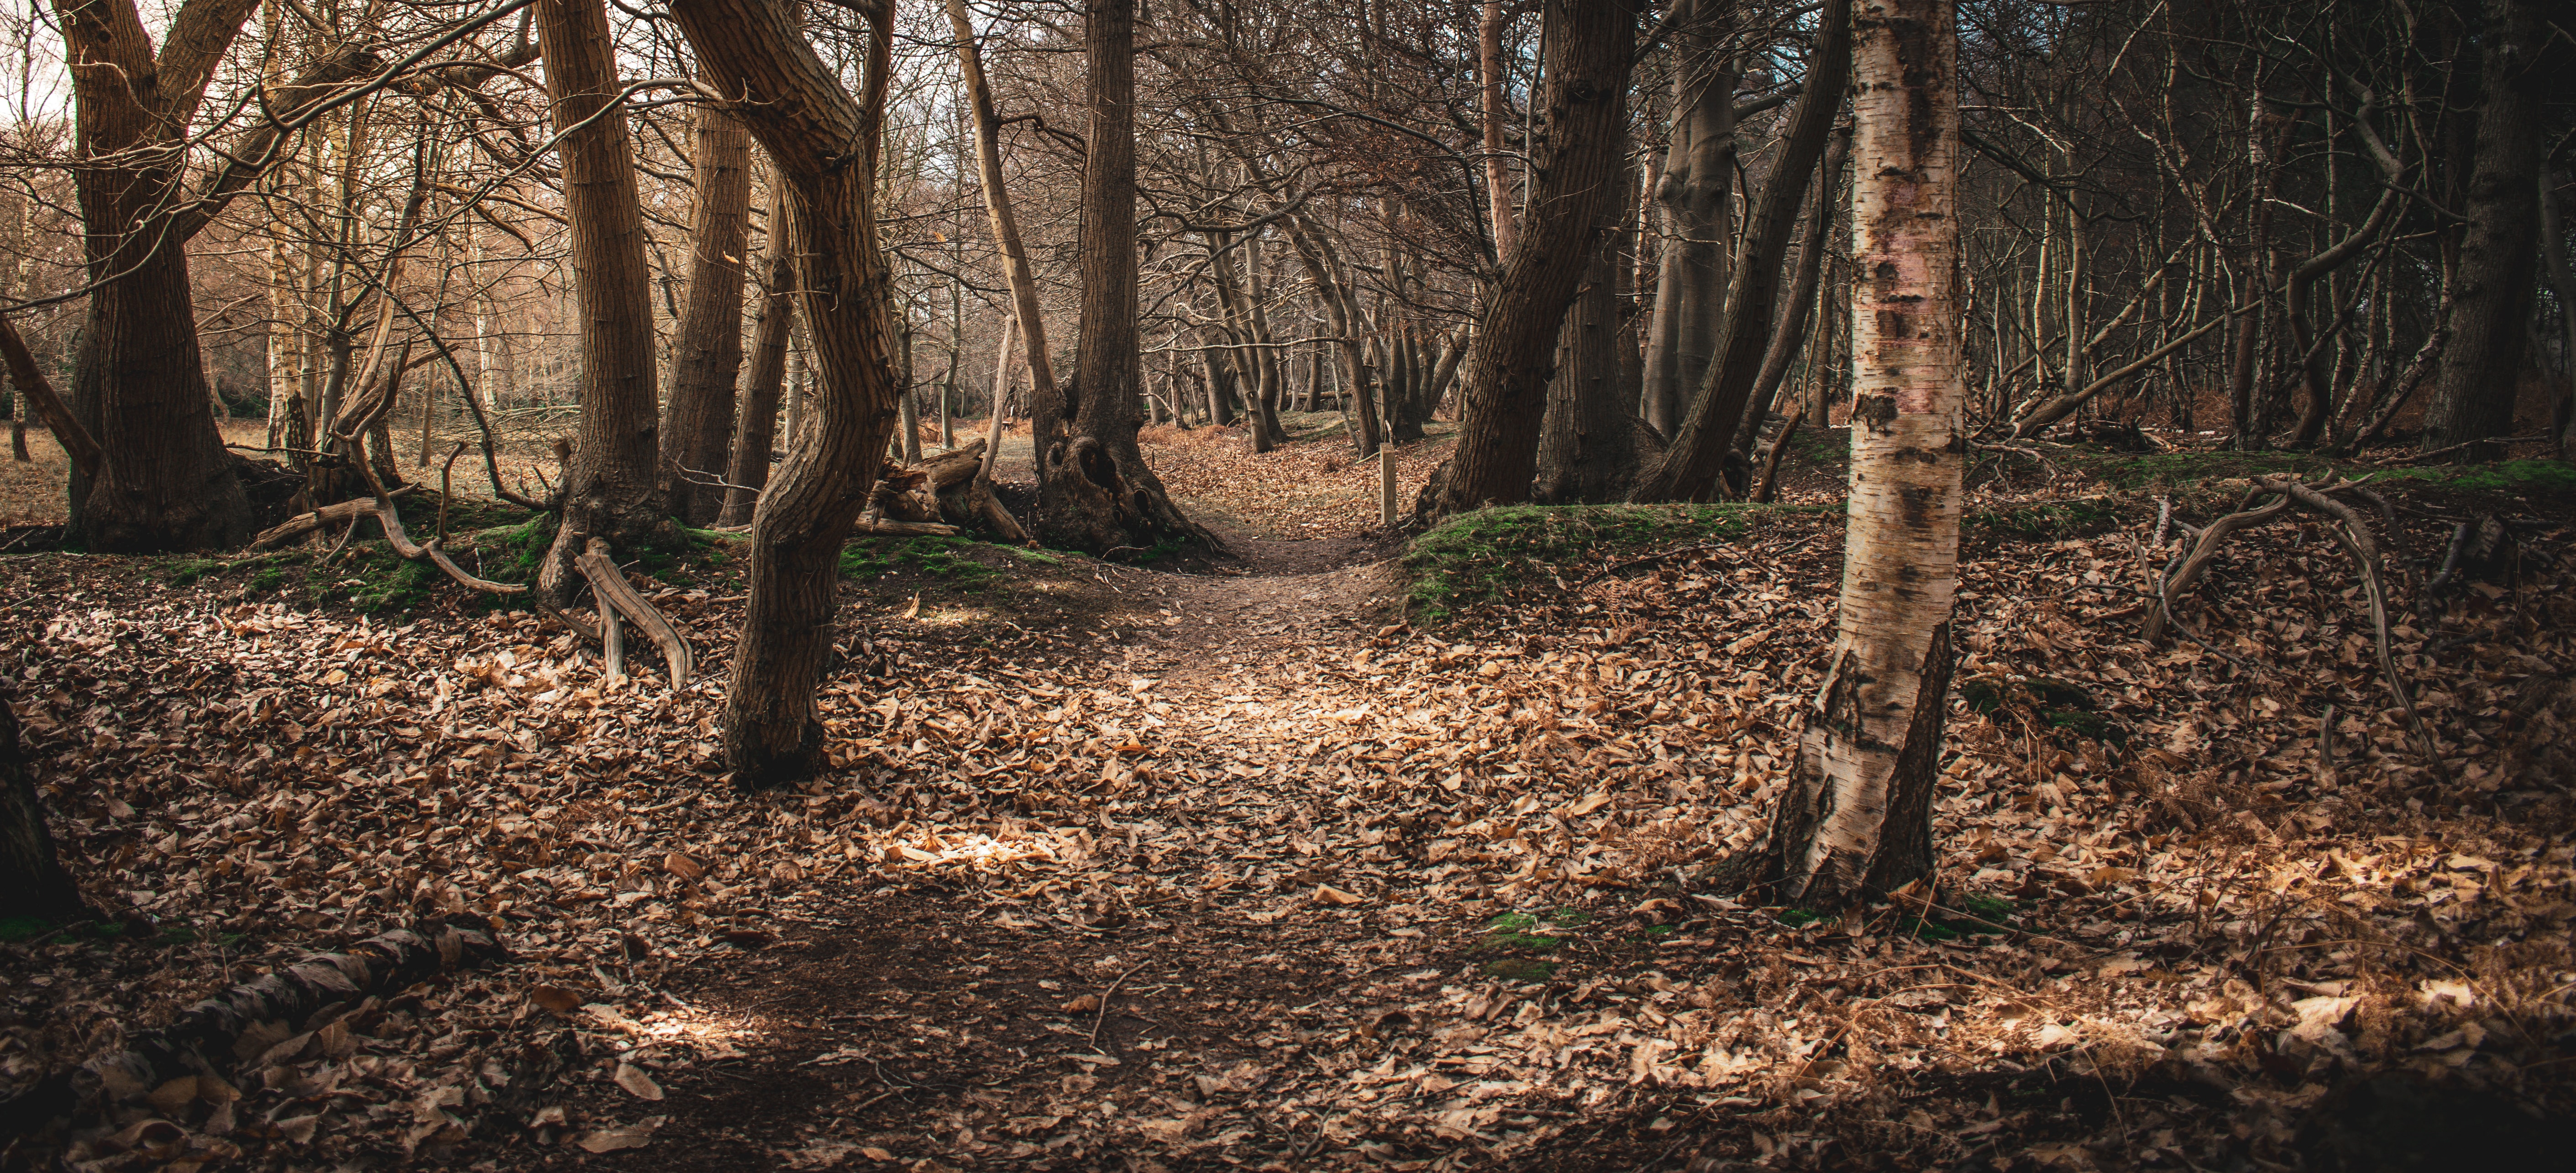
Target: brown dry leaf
x,y
636,1083
555,998
1083,1005
1332,895
631,1136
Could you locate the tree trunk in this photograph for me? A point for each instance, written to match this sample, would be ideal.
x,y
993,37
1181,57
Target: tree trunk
x,y
1498,166
1696,193
812,129
1790,336
139,382
756,424
2474,393
1591,442
611,488
2562,280
32,880
1692,465
1047,410
1573,176
1856,816
706,346
1095,492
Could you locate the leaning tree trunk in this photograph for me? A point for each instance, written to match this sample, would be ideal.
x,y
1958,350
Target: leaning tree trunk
x,y
756,424
1573,177
1095,492
1790,335
2490,315
1691,467
32,880
1047,411
824,145
1856,816
706,345
611,488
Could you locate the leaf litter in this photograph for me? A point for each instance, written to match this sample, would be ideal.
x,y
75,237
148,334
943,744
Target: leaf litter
x,y
1342,891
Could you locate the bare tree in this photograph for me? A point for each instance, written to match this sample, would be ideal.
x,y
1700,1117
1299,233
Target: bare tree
x,y
1573,173
706,345
824,145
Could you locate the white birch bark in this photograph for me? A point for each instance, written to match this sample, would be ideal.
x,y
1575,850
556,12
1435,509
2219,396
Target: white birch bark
x,y
1856,817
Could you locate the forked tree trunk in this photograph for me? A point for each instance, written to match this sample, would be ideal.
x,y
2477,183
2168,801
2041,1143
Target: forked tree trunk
x,y
1856,816
756,424
611,485
1573,178
1095,492
706,345
32,880
824,145
140,381
1692,465
2491,313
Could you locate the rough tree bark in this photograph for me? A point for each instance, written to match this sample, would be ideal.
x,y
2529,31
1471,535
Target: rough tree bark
x,y
139,380
1490,113
1856,816
756,423
824,146
611,484
1692,464
1591,442
32,880
1095,491
2491,310
706,344
1573,176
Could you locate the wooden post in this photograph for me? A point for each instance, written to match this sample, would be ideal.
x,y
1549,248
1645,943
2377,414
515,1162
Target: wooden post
x,y
1386,514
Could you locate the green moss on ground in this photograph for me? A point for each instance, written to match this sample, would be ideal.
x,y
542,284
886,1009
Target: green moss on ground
x,y
2045,521
933,555
2508,476
1492,554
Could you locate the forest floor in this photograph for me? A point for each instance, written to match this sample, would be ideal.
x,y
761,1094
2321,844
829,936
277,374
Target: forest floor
x,y
1343,853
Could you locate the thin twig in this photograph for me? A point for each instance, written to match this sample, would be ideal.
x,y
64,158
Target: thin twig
x,y
1094,1042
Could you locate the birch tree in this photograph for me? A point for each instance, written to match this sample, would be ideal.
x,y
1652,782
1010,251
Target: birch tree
x,y
1856,816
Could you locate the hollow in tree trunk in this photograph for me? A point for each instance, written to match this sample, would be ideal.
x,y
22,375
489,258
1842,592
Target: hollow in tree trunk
x,y
706,345
611,485
1856,815
1574,173
1095,492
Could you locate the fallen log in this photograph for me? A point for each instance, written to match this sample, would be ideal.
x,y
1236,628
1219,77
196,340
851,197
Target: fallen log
x,y
213,1039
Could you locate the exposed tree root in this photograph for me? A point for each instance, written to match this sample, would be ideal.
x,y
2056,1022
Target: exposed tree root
x,y
217,1037
609,584
2353,537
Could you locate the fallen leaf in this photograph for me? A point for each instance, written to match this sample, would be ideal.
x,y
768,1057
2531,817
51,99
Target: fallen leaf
x,y
609,1140
636,1083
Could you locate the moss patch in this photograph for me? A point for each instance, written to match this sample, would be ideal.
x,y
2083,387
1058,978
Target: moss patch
x,y
2051,704
1494,554
932,555
2510,476
2045,521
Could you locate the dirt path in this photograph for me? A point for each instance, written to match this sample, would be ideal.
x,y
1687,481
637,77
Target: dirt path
x,y
924,1020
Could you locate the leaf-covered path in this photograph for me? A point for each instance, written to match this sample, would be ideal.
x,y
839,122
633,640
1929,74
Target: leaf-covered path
x,y
1133,868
